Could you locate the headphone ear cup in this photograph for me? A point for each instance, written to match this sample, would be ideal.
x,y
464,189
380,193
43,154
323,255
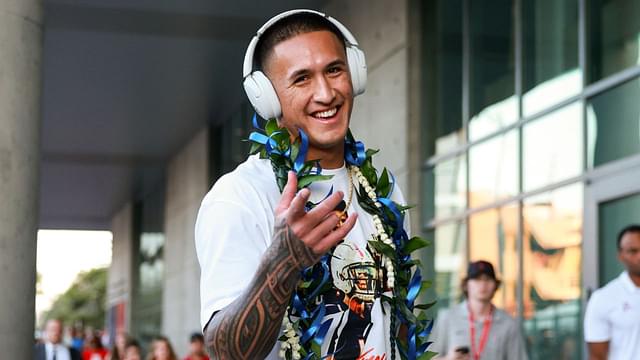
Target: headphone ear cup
x,y
262,95
358,69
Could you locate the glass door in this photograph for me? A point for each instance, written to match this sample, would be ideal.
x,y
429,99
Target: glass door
x,y
611,203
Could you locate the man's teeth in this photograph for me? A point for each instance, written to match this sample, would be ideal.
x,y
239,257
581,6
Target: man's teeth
x,y
326,114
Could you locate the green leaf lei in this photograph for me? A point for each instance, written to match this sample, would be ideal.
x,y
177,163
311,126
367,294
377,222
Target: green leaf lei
x,y
303,333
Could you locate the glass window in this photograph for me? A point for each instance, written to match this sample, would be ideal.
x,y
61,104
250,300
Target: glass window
x,y
493,169
550,53
493,236
614,36
552,147
552,258
450,242
492,85
443,75
448,185
614,124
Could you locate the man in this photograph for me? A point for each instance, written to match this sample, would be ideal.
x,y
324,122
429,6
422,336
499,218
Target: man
x,y
612,318
476,329
53,348
252,241
196,348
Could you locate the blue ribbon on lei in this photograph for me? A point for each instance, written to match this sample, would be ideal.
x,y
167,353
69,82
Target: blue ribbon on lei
x,y
354,153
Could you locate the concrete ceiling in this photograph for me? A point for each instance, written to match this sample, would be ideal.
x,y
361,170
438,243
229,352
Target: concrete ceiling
x,y
125,84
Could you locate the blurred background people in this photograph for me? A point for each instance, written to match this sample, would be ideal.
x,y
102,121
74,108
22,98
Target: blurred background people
x,y
132,350
77,339
475,329
52,348
93,349
119,345
196,348
161,349
612,318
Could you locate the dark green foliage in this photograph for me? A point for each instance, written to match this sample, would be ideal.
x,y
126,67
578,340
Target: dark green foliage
x,y
83,302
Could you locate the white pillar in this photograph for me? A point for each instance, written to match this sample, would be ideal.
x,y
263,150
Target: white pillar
x,y
20,87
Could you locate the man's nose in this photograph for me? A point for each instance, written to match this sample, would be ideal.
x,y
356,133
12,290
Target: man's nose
x,y
323,92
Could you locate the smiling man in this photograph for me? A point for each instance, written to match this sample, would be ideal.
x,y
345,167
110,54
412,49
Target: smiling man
x,y
304,69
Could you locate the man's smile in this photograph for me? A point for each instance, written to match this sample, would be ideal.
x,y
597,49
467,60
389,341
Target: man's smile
x,y
325,115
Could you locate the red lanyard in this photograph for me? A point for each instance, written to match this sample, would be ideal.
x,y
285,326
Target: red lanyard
x,y
486,327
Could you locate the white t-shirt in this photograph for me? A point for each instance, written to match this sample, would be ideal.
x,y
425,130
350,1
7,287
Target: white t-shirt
x,y
613,315
234,228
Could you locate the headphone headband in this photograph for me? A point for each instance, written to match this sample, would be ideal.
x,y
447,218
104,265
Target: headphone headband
x,y
247,66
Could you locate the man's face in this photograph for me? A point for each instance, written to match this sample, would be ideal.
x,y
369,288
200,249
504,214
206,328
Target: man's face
x,y
629,252
54,331
311,77
481,288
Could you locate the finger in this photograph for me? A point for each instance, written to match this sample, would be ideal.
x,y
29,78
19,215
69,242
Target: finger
x,y
296,208
321,230
335,236
288,193
326,206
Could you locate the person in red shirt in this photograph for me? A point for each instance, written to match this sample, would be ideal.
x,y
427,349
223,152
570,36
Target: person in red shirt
x,y
196,348
94,350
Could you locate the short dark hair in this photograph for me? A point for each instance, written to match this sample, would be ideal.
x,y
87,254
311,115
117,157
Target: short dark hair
x,y
633,228
287,28
196,337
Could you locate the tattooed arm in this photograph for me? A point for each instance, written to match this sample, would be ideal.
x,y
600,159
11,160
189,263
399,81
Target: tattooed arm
x,y
248,327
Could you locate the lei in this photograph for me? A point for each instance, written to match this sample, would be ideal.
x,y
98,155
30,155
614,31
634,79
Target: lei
x,y
304,331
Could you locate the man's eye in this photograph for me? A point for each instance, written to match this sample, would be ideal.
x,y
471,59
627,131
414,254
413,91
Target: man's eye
x,y
300,79
334,70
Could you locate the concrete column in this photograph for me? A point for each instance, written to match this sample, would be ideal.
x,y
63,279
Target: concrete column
x,y
187,183
20,76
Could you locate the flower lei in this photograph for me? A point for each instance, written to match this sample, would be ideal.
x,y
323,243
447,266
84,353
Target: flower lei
x,y
304,331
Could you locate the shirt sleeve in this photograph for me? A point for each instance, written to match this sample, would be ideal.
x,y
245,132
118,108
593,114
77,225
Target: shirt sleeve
x,y
440,334
230,241
597,327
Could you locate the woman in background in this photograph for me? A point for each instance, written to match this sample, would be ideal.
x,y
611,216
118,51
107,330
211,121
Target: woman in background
x,y
161,350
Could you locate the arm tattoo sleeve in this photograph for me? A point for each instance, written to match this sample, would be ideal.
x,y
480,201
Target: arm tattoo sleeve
x,y
248,328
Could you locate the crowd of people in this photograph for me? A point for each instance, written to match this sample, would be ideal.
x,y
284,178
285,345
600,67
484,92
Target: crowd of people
x,y
89,345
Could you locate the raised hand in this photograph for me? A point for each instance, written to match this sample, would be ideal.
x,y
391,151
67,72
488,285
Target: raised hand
x,y
249,326
316,228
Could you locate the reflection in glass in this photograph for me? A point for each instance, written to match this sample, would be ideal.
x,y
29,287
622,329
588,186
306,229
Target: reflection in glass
x,y
492,104
450,262
493,169
449,181
443,80
552,261
553,147
550,53
614,124
493,236
614,36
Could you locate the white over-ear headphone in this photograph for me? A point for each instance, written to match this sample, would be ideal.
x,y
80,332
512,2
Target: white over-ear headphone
x,y
259,89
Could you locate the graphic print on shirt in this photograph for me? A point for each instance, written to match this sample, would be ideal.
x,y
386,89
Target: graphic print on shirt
x,y
357,279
